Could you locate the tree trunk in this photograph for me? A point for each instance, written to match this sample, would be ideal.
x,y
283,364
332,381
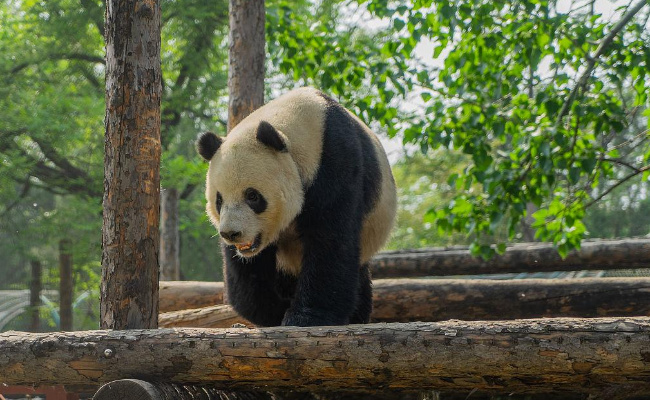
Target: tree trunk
x,y
35,287
130,236
169,238
246,55
407,300
589,356
65,284
524,257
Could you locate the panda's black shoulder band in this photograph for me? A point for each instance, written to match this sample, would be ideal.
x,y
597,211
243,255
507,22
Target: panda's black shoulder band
x,y
208,144
269,136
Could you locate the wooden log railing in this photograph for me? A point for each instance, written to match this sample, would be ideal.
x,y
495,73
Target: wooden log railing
x,y
182,295
407,300
523,257
588,356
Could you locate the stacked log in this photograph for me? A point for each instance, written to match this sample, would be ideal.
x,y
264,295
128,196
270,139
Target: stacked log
x,y
408,300
564,355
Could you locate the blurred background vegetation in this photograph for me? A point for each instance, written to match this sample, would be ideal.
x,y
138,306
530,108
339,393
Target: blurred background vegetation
x,y
475,102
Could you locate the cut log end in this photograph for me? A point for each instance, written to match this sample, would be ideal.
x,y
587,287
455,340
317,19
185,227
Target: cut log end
x,y
136,389
128,389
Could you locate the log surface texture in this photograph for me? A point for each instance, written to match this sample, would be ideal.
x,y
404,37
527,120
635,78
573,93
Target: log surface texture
x,y
182,295
525,356
408,300
523,257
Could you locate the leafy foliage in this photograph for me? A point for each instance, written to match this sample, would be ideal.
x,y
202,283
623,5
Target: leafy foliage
x,y
51,128
511,136
495,100
421,185
521,87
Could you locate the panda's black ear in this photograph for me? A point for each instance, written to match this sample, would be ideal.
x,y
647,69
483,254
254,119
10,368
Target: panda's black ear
x,y
208,144
269,136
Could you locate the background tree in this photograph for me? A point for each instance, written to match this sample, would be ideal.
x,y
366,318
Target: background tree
x,y
131,203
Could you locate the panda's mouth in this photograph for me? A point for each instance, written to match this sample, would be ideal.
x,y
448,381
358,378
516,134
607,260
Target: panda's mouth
x,y
250,247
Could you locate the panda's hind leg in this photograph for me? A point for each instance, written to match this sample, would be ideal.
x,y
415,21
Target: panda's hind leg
x,y
364,299
253,286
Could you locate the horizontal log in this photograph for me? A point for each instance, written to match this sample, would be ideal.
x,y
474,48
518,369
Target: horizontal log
x,y
524,257
589,356
182,295
407,300
219,316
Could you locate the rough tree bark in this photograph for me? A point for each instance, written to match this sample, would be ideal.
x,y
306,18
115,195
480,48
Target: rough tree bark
x,y
407,300
218,316
524,257
65,284
246,56
130,237
169,239
527,356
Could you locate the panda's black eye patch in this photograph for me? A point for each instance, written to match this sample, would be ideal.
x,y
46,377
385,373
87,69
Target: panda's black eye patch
x,y
255,200
219,202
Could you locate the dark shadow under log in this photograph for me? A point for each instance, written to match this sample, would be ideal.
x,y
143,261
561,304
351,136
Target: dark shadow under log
x,y
136,389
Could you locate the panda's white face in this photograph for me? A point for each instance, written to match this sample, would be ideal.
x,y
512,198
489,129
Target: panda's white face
x,y
253,193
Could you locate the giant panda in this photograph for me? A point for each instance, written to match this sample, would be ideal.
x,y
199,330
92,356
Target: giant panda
x,y
302,195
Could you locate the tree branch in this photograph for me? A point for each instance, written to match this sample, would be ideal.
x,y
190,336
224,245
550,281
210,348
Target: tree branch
x,y
617,184
592,59
59,56
21,196
69,170
621,162
96,13
64,177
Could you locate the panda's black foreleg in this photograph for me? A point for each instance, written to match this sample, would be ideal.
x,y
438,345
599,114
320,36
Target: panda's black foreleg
x,y
364,300
328,284
252,286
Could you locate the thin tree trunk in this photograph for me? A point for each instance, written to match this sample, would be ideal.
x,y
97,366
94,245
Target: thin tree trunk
x,y
169,238
246,55
65,284
35,287
130,235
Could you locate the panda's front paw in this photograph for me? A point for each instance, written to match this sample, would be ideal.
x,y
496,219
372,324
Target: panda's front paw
x,y
308,317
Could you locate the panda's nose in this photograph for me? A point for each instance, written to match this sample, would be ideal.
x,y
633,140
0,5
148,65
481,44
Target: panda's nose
x,y
231,235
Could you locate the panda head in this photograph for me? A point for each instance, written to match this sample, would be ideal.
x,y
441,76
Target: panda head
x,y
253,187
